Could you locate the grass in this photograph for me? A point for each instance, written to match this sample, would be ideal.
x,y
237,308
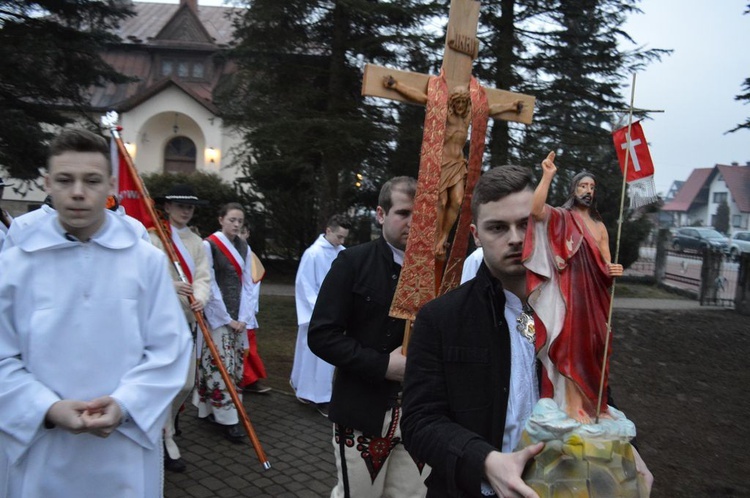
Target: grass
x,y
643,291
277,334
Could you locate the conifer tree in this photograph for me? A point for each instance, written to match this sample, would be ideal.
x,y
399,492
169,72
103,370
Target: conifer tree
x,y
296,100
745,96
50,52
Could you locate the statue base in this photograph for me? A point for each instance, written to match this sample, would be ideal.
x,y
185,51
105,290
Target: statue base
x,y
581,460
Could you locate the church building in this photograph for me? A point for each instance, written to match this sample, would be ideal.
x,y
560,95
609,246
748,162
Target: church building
x,y
176,55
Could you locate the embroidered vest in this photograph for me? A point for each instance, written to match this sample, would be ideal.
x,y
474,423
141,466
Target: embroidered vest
x,y
226,276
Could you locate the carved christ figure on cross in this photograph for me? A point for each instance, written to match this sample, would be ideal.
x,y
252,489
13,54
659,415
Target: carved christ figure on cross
x,y
453,165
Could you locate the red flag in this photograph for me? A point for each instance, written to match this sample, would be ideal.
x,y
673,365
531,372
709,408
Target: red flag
x,y
127,189
640,167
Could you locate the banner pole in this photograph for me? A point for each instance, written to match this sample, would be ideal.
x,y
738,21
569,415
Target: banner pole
x,y
169,248
617,253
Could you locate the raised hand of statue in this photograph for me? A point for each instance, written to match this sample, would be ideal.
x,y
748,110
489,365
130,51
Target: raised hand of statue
x,y
548,165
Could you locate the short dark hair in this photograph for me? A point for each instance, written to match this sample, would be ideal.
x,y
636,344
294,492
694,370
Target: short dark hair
x,y
338,220
405,184
570,202
500,182
79,140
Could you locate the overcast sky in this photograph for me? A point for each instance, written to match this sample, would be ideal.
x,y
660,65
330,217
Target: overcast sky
x,y
695,86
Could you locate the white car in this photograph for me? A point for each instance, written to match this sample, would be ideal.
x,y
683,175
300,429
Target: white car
x,y
739,243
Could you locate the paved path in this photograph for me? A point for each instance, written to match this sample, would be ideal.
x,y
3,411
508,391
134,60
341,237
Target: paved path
x,y
295,438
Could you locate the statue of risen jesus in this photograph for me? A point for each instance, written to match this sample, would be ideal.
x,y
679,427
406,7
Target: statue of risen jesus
x,y
567,253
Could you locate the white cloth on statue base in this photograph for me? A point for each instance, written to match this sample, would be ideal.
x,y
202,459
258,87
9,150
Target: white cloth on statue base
x,y
312,378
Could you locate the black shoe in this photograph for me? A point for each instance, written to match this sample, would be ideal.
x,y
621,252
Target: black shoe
x,y
174,465
256,388
234,433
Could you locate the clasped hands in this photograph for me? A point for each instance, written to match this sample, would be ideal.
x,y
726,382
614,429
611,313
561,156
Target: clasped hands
x,y
237,327
100,416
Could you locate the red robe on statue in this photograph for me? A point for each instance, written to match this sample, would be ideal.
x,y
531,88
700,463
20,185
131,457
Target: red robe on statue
x,y
569,290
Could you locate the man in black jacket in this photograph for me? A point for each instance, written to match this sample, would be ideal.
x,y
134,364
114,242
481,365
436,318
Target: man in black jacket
x,y
350,328
470,379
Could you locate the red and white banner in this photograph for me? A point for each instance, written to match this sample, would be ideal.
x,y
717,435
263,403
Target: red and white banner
x,y
639,170
127,189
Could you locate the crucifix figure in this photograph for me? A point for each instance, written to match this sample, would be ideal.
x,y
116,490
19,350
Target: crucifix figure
x,y
453,169
454,101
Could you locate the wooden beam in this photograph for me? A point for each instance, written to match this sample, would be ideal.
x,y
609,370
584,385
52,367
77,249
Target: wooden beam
x,y
372,86
372,82
461,44
495,96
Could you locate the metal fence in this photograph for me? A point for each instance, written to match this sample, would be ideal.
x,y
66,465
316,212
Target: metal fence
x,y
711,276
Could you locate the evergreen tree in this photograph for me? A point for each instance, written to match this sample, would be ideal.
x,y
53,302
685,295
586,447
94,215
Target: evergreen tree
x,y
744,96
296,100
50,53
721,222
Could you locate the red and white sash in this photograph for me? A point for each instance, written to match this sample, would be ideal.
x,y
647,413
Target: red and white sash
x,y
227,249
186,259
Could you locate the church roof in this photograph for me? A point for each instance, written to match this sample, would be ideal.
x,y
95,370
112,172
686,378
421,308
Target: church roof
x,y
152,18
159,32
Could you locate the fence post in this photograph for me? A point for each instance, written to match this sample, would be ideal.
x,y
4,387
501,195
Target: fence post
x,y
742,293
660,260
710,271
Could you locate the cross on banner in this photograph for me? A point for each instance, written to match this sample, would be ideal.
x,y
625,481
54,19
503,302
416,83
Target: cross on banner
x,y
454,100
631,144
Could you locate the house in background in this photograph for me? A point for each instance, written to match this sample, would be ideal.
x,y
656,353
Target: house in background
x,y
169,120
698,199
664,219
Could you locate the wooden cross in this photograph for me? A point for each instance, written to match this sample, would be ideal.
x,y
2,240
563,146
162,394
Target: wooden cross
x,y
427,269
461,48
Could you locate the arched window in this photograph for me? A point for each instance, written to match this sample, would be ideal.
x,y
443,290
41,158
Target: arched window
x,y
179,156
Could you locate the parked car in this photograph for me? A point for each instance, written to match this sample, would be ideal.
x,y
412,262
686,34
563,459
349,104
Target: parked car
x,y
739,243
699,239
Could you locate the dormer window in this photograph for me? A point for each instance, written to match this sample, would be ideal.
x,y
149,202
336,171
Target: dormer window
x,y
185,69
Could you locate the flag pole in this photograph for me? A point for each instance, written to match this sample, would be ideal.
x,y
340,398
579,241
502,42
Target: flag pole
x,y
617,251
169,248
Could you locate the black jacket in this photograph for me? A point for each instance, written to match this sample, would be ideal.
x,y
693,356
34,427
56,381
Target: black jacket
x,y
350,328
456,385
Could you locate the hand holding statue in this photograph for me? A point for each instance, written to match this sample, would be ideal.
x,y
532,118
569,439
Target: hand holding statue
x,y
503,471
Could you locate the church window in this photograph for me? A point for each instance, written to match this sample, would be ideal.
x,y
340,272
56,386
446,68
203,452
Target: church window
x,y
180,156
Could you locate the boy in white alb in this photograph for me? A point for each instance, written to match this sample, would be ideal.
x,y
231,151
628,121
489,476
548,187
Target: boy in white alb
x,y
312,378
93,343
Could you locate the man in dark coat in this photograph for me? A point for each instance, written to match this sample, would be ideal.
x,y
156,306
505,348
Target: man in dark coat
x,y
350,328
470,379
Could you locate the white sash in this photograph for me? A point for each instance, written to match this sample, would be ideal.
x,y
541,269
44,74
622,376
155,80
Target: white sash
x,y
179,246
